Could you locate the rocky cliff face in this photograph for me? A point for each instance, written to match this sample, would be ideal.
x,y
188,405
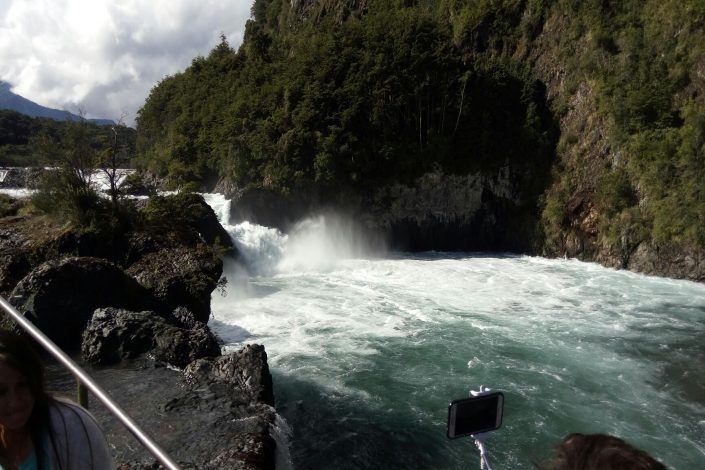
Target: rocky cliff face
x,y
587,152
451,212
477,211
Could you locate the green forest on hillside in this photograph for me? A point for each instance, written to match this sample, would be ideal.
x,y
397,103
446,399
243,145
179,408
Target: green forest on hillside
x,y
332,94
25,141
382,95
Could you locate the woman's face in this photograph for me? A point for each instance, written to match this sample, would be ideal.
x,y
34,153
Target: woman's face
x,y
16,400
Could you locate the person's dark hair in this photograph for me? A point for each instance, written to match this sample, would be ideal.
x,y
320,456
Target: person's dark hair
x,y
600,452
17,352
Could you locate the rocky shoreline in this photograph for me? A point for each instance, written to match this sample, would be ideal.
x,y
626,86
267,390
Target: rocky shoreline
x,y
136,305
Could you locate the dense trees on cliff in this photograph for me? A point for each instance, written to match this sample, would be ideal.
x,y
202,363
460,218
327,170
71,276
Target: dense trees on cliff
x,y
385,94
327,93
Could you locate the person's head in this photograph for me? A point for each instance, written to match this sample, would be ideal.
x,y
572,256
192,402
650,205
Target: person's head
x,y
600,452
23,399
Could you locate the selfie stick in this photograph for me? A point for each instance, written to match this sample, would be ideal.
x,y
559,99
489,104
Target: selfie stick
x,y
480,437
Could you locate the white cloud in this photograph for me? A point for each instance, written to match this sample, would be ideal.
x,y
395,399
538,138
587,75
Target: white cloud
x,y
105,55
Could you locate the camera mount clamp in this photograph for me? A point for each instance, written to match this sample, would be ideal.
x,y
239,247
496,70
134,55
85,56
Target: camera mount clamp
x,y
480,437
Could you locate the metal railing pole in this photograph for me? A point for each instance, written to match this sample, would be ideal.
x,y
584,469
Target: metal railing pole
x,y
55,351
81,394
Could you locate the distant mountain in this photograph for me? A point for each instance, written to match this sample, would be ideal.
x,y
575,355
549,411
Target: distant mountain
x,y
10,100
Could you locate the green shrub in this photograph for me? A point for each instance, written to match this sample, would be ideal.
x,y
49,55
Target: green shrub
x,y
66,197
614,192
9,206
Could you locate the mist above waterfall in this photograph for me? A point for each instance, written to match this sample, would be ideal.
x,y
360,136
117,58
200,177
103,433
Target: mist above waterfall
x,y
320,241
313,244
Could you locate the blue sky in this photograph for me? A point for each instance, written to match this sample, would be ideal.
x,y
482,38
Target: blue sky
x,y
103,56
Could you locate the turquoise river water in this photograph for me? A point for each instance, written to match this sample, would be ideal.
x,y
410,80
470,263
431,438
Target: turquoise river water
x,y
367,351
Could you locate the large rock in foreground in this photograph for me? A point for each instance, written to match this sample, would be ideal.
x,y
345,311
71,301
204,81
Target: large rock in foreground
x,y
216,414
59,297
115,336
246,370
22,241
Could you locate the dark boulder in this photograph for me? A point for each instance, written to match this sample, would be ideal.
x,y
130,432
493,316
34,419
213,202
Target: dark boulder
x,y
113,336
104,244
251,451
189,218
28,241
13,267
179,346
180,276
207,223
245,370
59,296
232,395
20,240
139,244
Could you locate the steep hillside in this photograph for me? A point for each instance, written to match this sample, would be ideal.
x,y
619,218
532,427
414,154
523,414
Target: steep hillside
x,y
578,126
625,79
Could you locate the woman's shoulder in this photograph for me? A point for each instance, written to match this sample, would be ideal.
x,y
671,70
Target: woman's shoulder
x,y
69,410
67,414
76,438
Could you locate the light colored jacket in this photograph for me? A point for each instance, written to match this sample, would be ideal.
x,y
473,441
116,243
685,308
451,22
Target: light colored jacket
x,y
76,440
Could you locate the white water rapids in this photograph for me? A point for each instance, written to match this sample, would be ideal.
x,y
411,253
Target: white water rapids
x,y
366,352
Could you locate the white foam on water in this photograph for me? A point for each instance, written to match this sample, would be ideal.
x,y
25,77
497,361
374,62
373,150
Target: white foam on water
x,y
18,193
220,205
101,182
474,362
